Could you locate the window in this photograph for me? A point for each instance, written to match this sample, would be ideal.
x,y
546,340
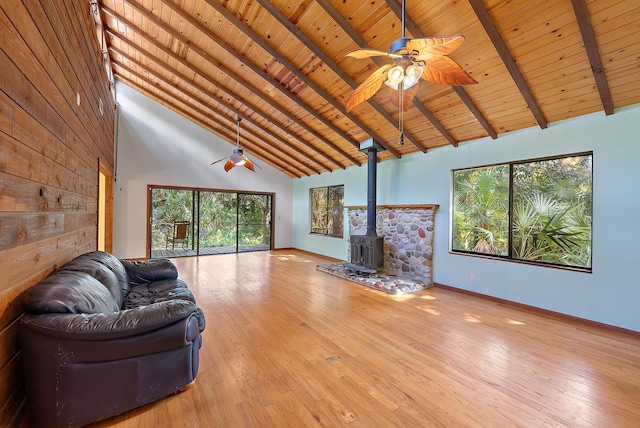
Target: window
x,y
536,211
327,206
219,221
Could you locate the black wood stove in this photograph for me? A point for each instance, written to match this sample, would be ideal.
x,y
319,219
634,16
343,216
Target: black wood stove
x,y
367,250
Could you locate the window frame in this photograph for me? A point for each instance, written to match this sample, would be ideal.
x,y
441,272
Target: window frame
x,y
510,229
328,210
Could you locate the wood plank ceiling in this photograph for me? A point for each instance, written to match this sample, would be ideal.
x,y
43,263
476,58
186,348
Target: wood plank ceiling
x,y
280,66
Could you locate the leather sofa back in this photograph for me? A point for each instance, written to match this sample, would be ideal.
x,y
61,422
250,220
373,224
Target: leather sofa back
x,y
91,283
106,268
69,292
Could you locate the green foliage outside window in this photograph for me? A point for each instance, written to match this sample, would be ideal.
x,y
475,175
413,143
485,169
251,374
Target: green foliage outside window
x,y
217,219
214,215
167,206
543,216
327,210
481,210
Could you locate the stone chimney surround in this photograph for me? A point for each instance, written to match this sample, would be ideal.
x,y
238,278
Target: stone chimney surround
x,y
407,232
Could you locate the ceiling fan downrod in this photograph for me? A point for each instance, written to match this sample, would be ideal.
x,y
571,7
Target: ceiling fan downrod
x,y
399,47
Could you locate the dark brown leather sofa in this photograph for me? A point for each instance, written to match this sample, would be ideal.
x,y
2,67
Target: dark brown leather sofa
x,y
101,336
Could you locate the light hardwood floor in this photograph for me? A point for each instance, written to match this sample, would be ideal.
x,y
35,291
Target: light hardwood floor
x,y
289,346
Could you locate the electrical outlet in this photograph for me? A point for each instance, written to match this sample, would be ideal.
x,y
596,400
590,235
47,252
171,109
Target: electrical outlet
x,y
472,278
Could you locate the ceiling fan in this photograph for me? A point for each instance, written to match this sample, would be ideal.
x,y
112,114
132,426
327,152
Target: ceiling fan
x,y
414,59
237,158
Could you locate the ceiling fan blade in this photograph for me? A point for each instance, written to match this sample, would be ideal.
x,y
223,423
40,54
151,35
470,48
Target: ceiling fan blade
x,y
368,53
228,165
368,88
252,162
425,49
248,164
219,160
407,96
445,71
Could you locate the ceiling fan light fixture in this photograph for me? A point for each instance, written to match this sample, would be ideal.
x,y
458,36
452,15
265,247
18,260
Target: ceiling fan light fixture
x,y
237,157
412,76
395,75
393,86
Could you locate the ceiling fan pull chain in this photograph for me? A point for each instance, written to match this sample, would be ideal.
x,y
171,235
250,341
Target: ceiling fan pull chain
x,y
401,114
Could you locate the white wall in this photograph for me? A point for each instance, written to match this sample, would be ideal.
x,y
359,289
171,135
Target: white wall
x,y
157,146
609,295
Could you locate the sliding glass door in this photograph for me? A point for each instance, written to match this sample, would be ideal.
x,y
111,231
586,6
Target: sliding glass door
x,y
169,209
218,226
188,222
254,222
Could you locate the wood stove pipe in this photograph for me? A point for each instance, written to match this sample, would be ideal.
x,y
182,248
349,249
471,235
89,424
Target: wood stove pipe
x,y
371,148
372,170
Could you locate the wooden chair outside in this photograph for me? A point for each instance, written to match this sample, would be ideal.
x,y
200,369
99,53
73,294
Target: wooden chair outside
x,y
180,234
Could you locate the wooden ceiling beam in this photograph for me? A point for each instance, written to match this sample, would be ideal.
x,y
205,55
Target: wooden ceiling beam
x,y
224,104
276,55
417,32
548,41
203,90
590,45
501,47
289,169
473,108
225,70
275,84
203,109
329,62
241,81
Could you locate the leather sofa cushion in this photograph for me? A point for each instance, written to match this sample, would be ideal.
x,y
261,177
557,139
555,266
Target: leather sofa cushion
x,y
69,292
159,291
162,291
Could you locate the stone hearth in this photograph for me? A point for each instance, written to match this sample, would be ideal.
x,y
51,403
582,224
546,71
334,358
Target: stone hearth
x,y
407,232
380,281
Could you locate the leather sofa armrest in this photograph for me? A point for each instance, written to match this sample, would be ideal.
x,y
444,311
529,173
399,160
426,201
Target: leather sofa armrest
x,y
147,271
104,326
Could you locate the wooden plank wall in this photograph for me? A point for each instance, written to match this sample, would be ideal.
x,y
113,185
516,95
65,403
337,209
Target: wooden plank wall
x,y
50,150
